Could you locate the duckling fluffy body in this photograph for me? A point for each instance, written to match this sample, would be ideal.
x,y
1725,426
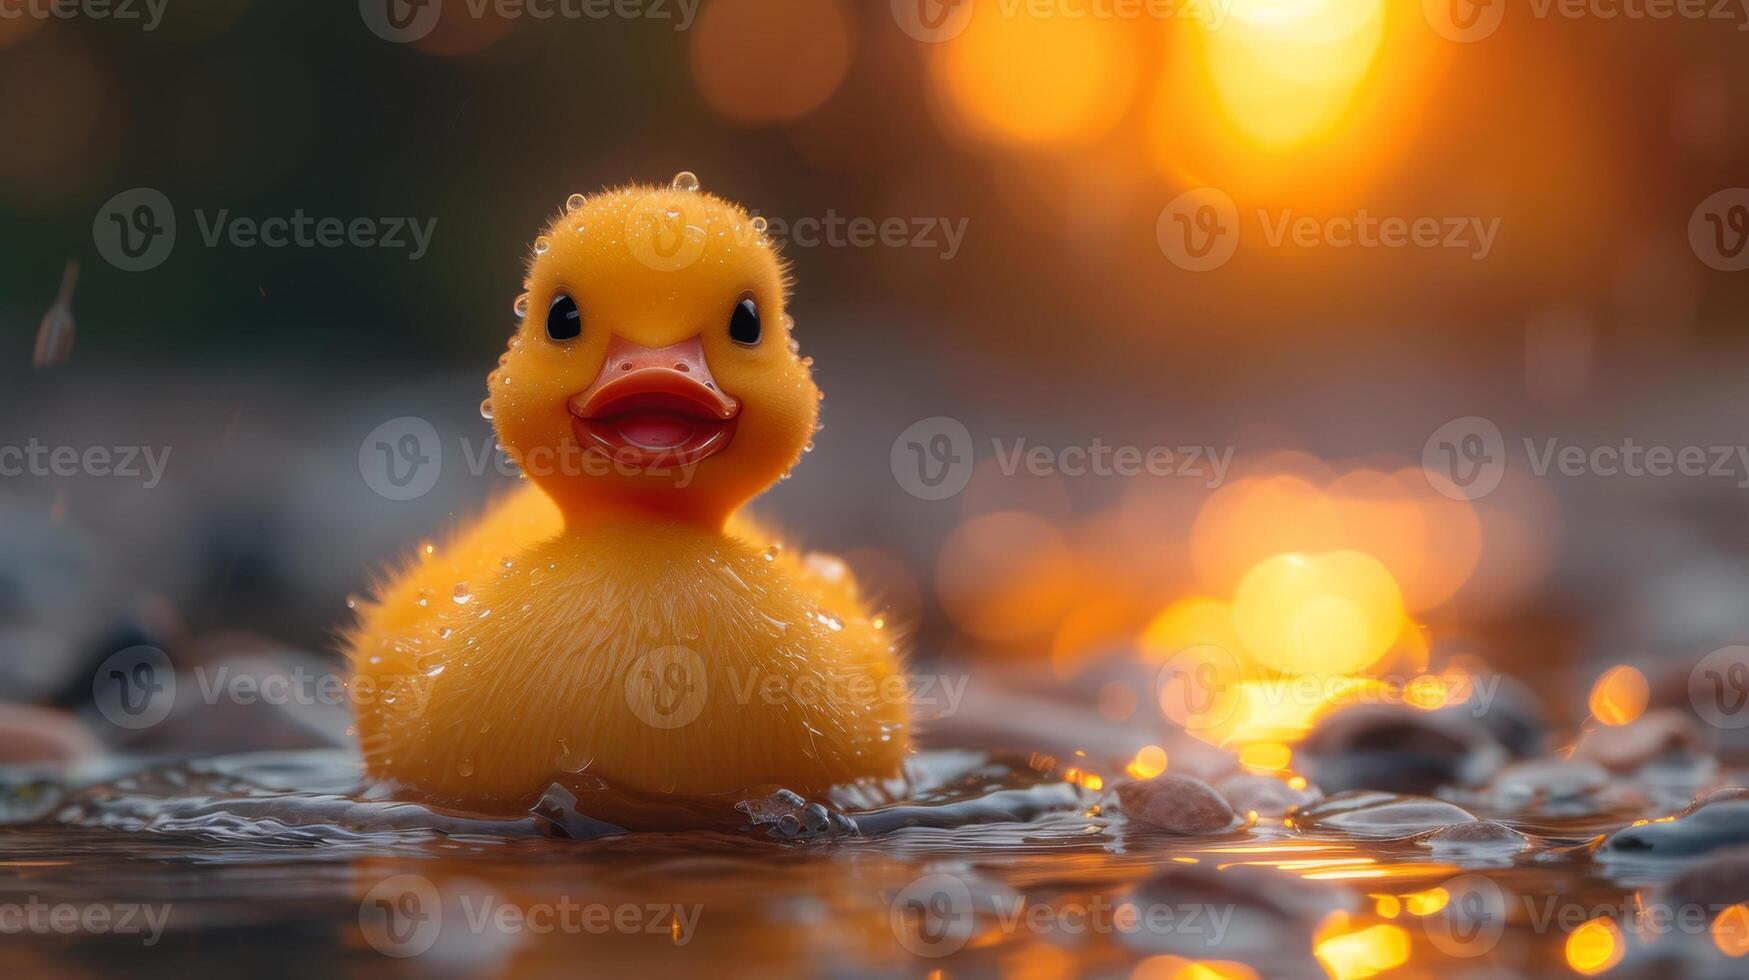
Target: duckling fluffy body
x,y
617,617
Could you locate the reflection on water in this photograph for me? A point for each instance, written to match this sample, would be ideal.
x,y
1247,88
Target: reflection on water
x,y
990,867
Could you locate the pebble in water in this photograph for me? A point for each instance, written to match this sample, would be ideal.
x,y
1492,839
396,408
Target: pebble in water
x,y
1382,815
1401,750
1479,842
1559,785
1177,804
1625,748
1266,796
1718,820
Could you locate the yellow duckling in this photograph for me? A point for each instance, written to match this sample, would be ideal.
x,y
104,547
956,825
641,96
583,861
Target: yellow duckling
x,y
617,618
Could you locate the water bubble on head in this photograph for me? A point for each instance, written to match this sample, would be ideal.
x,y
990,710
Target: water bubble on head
x,y
520,307
541,245
462,593
685,180
574,202
486,409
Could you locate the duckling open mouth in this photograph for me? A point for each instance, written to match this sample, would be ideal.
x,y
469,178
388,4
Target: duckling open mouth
x,y
646,414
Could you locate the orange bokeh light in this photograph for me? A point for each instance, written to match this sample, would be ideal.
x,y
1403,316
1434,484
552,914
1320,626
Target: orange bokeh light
x,y
1619,695
764,61
1028,77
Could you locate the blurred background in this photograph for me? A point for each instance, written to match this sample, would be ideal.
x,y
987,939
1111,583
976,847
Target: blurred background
x,y
984,204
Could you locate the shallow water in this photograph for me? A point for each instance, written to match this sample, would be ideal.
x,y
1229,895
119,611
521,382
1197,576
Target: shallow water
x,y
994,866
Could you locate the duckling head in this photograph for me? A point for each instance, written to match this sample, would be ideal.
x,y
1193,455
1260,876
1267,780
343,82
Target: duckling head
x,y
652,374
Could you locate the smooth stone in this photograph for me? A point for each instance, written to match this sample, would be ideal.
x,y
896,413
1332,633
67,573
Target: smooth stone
x,y
1382,815
1266,796
1177,804
1481,840
1715,821
1512,713
1398,750
1654,735
1553,780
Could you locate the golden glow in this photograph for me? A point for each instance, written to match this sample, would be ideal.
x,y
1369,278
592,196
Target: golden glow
x,y
1285,70
1427,902
1387,906
1178,968
1594,947
1619,696
1337,612
1269,756
1150,761
771,60
1731,931
1350,954
1024,77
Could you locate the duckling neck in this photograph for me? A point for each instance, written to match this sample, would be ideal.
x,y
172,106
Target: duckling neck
x,y
670,510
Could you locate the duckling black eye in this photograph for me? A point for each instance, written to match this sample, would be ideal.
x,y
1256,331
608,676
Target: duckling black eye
x,y
564,320
744,322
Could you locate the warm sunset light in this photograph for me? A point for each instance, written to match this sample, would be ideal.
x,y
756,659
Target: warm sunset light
x,y
1619,696
1024,77
1337,612
1731,931
1595,947
1286,69
1351,955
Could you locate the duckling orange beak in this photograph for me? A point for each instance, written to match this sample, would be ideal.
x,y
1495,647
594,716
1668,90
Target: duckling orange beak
x,y
654,406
